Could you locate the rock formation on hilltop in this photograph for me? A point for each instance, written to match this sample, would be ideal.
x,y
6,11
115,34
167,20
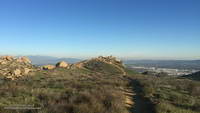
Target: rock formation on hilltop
x,y
109,59
102,63
12,68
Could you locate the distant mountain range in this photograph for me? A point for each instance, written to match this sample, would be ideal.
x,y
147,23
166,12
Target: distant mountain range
x,y
178,64
43,60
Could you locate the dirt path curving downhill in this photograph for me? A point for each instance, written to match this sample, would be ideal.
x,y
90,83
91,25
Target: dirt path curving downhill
x,y
135,102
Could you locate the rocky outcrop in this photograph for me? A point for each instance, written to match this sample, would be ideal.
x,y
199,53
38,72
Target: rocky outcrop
x,y
98,63
13,68
109,59
62,64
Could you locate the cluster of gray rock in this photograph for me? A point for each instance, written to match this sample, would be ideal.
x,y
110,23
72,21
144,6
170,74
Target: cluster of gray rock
x,y
13,68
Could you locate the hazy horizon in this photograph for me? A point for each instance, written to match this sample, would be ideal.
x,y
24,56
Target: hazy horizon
x,y
83,29
89,57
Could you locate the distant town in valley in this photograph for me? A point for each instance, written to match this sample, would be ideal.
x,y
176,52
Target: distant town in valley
x,y
168,71
167,67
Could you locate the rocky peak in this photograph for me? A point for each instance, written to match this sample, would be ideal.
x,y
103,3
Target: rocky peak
x,y
99,64
109,59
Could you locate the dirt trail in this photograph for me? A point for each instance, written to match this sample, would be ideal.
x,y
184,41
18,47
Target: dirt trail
x,y
135,102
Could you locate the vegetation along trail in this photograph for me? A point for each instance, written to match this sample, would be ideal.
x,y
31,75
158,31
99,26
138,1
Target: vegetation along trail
x,y
135,101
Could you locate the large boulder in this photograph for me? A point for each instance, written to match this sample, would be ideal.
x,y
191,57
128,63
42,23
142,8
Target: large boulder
x,y
62,64
48,67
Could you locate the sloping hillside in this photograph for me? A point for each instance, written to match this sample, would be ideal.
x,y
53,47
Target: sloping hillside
x,y
104,65
89,89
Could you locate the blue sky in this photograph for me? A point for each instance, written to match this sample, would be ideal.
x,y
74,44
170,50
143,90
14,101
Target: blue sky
x,y
139,29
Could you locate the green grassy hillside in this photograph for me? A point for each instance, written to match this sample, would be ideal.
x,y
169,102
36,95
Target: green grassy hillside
x,y
102,67
65,91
